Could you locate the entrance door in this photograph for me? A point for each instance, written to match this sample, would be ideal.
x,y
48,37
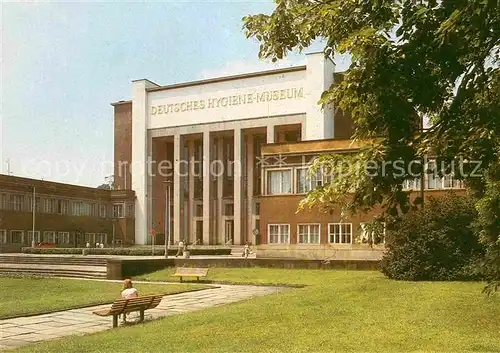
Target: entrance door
x,y
229,232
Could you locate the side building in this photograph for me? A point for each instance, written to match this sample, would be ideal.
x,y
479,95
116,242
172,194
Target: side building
x,y
310,233
65,215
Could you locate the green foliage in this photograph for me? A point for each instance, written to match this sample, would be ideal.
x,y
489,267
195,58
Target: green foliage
x,y
436,243
410,60
142,251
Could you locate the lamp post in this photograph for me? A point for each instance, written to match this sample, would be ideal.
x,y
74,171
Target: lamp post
x,y
168,183
33,230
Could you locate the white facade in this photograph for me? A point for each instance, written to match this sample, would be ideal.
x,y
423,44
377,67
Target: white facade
x,y
268,99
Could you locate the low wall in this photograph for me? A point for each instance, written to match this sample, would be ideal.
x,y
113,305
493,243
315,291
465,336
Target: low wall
x,y
126,268
10,248
353,252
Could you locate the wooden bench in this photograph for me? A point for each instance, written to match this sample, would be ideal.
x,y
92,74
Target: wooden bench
x,y
190,272
124,306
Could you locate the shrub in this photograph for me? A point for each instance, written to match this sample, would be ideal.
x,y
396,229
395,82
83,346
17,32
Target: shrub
x,y
436,243
142,251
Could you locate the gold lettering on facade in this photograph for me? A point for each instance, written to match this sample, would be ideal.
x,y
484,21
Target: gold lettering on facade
x,y
232,100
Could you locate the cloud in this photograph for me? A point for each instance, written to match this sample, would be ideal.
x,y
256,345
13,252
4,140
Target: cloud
x,y
243,67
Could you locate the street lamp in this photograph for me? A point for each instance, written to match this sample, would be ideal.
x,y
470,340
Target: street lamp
x,y
168,183
33,205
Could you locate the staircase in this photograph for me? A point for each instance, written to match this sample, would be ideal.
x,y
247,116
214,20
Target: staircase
x,y
54,266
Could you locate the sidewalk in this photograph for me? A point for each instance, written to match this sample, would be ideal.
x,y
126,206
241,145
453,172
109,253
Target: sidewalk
x,y
25,330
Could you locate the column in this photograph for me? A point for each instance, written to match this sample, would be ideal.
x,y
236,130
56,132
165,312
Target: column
x,y
238,199
250,166
206,187
177,189
220,194
191,211
270,133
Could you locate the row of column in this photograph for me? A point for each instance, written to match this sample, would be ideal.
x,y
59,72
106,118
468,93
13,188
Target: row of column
x,y
238,186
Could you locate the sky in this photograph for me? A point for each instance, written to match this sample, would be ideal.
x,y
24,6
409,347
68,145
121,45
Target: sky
x,y
63,63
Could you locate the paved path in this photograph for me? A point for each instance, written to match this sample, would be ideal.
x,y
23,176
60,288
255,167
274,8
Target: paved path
x,y
25,330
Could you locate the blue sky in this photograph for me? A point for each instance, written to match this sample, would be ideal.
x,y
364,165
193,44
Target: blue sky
x,y
64,63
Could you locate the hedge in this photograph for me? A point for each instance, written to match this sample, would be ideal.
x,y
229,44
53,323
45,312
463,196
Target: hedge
x,y
124,251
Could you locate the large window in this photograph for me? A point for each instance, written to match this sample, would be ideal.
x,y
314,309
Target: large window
x,y
37,236
340,233
90,238
308,233
63,238
279,233
102,211
374,234
3,237
279,182
3,202
63,206
307,182
118,210
50,205
16,236
412,184
49,237
16,202
77,208
102,238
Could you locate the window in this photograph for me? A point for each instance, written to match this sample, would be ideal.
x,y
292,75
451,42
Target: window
x,y
102,211
63,206
279,182
3,202
412,184
29,204
131,211
16,236
90,238
279,233
37,237
199,210
308,233
3,237
16,202
375,235
77,208
102,238
50,205
63,238
307,182
340,233
229,209
49,237
257,208
118,210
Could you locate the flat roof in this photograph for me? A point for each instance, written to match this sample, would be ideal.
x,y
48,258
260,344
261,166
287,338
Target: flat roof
x,y
228,78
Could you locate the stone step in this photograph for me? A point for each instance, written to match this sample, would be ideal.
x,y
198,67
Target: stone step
x,y
53,273
30,259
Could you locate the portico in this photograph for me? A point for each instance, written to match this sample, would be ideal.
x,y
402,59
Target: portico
x,y
205,138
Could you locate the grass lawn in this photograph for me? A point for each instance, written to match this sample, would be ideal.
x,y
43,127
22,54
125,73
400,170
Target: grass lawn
x,y
339,311
28,295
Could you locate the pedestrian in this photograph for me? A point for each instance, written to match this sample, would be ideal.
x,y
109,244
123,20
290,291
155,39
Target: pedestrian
x,y
180,248
246,250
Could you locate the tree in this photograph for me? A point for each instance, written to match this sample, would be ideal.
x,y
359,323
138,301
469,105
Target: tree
x,y
411,60
109,184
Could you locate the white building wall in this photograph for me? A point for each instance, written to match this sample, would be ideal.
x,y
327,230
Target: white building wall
x,y
259,101
319,121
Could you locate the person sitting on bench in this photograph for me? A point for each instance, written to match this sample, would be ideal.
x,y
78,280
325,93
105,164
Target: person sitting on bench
x,y
128,292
